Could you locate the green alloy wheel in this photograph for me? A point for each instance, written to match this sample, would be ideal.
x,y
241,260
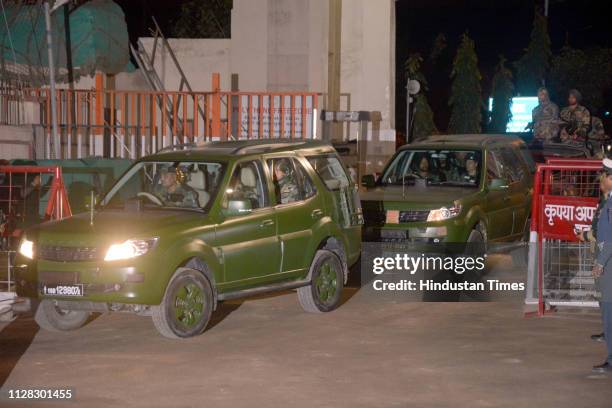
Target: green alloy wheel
x,y
327,281
187,305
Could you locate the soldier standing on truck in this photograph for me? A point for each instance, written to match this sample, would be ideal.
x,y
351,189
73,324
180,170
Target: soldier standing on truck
x,y
545,117
576,118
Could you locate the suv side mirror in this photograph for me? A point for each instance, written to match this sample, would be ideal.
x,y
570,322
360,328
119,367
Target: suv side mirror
x,y
238,207
368,181
498,184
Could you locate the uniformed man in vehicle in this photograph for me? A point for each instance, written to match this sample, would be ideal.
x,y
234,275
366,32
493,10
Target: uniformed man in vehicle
x,y
602,268
172,189
424,171
576,118
545,117
286,186
471,169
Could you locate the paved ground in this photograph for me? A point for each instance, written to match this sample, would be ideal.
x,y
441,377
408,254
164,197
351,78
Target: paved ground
x,y
266,352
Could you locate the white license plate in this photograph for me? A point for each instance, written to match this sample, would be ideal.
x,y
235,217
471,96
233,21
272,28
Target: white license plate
x,y
62,290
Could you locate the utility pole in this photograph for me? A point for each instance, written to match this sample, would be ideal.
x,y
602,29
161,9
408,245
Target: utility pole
x,y
334,42
56,140
546,8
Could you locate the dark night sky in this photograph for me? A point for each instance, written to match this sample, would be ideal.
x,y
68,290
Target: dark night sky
x,y
496,26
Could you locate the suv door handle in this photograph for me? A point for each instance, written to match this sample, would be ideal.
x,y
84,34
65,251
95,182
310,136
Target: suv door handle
x,y
316,213
266,223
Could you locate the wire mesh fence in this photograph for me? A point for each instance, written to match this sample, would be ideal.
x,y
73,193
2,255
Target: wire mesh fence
x,y
567,277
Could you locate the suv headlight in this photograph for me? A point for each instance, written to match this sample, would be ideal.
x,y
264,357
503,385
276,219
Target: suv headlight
x,y
130,249
444,213
26,248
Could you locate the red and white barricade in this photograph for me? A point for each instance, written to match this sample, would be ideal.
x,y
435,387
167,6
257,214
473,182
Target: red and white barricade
x,y
565,199
28,195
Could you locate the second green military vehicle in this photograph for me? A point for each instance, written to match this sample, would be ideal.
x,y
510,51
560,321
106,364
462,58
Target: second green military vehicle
x,y
184,229
456,188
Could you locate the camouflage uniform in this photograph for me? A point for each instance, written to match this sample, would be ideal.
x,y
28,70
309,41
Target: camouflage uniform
x,y
578,121
288,190
597,129
182,196
545,118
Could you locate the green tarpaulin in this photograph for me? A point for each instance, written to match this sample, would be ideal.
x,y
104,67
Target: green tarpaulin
x,y
98,40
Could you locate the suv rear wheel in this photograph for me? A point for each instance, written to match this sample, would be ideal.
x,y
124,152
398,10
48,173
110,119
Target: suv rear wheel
x,y
327,280
186,307
50,317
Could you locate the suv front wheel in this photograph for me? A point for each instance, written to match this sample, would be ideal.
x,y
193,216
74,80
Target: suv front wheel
x,y
186,307
327,280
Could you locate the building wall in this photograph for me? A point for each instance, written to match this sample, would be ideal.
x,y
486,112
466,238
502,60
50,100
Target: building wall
x,y
281,45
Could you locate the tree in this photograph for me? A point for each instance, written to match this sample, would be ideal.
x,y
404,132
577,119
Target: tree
x,y
502,90
532,67
589,71
438,46
203,19
422,118
465,99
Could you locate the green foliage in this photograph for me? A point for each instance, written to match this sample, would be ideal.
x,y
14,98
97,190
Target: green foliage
x,y
203,19
466,98
502,90
532,67
422,119
589,71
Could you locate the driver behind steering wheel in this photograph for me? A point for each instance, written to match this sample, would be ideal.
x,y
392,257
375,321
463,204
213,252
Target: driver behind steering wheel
x,y
424,171
172,189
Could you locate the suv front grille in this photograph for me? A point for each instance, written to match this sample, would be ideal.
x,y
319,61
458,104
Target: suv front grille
x,y
413,216
66,254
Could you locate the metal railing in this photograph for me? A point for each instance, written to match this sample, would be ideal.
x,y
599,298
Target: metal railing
x,y
137,123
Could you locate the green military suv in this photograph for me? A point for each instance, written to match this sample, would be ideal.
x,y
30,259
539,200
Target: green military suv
x,y
455,188
184,229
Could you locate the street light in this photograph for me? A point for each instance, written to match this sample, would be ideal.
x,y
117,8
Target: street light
x,y
48,11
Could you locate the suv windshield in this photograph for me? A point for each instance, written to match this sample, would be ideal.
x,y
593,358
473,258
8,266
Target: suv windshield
x,y
189,185
435,167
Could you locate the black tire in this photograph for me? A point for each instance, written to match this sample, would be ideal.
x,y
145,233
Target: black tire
x,y
327,281
186,307
477,242
50,317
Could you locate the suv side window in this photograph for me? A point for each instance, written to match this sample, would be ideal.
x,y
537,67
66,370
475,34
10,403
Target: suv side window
x,y
285,180
247,183
512,168
526,155
506,160
330,170
307,188
493,167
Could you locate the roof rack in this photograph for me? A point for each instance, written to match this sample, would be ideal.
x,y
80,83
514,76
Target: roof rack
x,y
268,144
181,146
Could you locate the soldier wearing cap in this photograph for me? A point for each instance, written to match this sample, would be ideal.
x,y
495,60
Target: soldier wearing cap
x,y
602,268
545,117
471,169
576,118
